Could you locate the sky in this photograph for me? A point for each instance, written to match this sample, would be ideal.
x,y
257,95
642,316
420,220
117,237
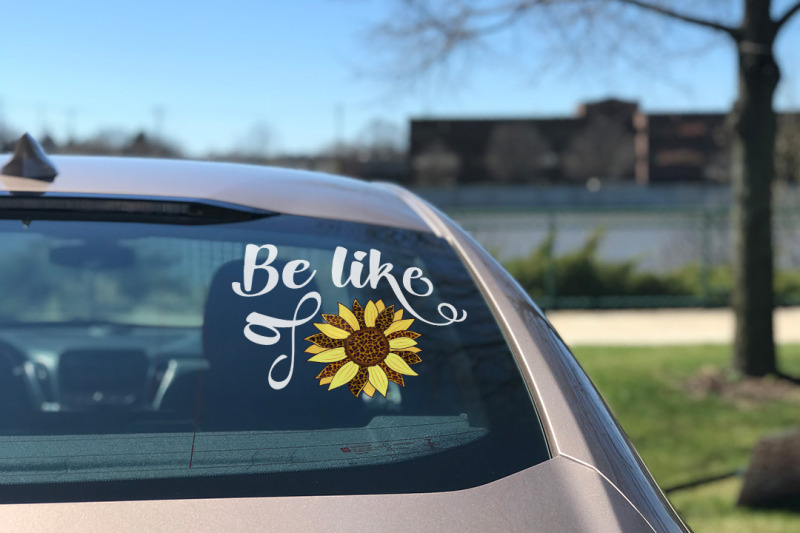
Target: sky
x,y
295,76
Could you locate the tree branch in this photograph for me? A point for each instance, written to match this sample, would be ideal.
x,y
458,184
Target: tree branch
x,y
786,16
511,17
667,12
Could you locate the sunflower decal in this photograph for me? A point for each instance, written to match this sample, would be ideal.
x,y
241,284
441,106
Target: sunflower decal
x,y
365,347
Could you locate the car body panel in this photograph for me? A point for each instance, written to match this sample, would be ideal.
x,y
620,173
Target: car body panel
x,y
595,481
292,192
576,420
557,495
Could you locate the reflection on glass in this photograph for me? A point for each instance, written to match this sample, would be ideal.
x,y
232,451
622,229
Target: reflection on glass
x,y
123,357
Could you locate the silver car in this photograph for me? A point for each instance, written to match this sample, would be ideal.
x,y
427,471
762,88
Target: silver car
x,y
214,347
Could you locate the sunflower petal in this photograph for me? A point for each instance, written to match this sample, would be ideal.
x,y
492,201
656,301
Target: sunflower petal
x,y
398,315
338,322
392,375
320,339
400,325
370,314
380,306
358,311
396,363
325,381
329,371
315,349
403,333
401,342
349,317
410,357
369,390
385,318
332,332
358,382
344,375
329,356
378,379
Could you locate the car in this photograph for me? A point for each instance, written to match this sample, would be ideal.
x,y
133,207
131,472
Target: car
x,y
206,346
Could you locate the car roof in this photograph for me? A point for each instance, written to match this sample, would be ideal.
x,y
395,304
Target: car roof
x,y
281,190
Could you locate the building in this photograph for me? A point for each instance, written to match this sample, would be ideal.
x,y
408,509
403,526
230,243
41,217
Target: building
x,y
610,140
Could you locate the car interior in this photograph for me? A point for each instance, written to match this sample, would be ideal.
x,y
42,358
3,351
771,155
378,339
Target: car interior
x,y
122,357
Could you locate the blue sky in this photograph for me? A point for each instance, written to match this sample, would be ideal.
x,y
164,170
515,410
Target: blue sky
x,y
209,74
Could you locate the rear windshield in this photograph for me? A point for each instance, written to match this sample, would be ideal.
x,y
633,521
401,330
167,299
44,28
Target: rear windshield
x,y
279,356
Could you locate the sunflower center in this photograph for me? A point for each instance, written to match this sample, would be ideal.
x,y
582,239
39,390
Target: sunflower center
x,y
367,347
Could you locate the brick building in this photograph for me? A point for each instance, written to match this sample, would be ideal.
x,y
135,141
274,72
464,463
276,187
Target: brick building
x,y
611,140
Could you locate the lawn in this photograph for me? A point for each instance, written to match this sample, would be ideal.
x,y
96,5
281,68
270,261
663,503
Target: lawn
x,y
683,437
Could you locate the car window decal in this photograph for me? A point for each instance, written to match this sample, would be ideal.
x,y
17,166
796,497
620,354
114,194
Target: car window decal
x,y
365,348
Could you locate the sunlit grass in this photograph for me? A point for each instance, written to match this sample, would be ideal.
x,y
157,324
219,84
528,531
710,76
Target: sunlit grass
x,y
683,438
710,508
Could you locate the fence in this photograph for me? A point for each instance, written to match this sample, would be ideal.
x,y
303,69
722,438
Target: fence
x,y
686,248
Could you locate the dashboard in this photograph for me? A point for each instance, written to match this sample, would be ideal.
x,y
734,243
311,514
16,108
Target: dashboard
x,y
85,367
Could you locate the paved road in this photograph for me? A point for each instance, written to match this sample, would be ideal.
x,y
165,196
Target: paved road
x,y
662,326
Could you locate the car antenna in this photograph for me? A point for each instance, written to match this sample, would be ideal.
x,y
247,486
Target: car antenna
x,y
30,161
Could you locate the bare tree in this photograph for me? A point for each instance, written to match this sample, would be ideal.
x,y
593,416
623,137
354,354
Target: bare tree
x,y
381,139
257,143
436,165
431,33
518,152
604,149
787,149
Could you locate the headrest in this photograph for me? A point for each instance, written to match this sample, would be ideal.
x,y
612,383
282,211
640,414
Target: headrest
x,y
225,317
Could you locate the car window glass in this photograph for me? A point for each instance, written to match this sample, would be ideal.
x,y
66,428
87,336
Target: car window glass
x,y
137,361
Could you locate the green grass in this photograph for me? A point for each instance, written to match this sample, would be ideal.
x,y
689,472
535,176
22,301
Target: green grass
x,y
682,438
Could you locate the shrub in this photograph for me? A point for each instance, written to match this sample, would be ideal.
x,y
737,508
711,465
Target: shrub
x,y
579,278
